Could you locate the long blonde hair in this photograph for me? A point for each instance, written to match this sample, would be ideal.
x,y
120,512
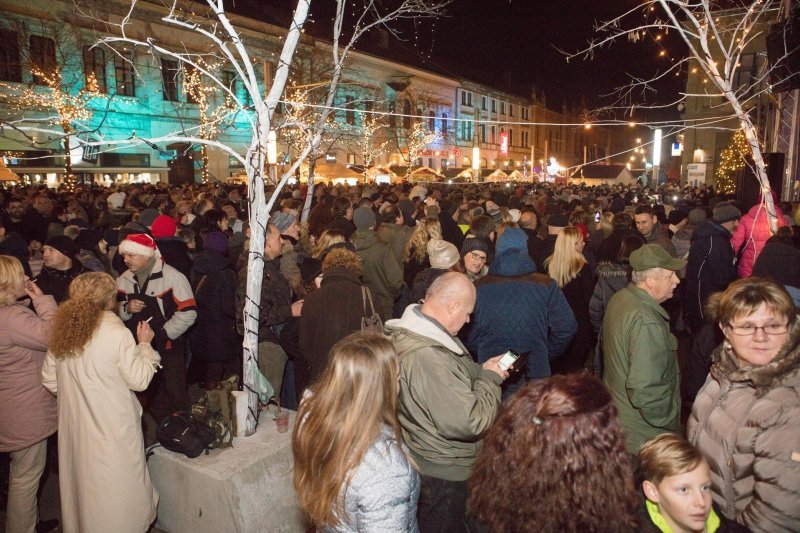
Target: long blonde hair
x,y
76,319
328,238
417,246
11,278
355,395
566,261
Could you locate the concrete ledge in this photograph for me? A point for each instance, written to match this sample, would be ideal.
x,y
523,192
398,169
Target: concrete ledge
x,y
246,488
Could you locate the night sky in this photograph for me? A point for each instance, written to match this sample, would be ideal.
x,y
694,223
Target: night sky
x,y
517,39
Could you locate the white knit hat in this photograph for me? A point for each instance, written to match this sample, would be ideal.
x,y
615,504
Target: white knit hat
x,y
139,244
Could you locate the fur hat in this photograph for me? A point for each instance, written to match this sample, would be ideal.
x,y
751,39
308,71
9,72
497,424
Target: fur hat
x,y
442,254
163,226
63,244
363,218
139,244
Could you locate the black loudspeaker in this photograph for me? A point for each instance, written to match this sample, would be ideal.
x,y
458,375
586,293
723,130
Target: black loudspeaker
x,y
748,189
783,52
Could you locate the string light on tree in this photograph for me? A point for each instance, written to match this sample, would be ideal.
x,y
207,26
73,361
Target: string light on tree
x,y
732,161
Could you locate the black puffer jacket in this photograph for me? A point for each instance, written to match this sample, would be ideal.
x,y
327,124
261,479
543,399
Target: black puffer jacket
x,y
611,277
710,267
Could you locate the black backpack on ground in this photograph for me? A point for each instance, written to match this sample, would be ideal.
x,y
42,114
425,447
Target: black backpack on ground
x,y
181,433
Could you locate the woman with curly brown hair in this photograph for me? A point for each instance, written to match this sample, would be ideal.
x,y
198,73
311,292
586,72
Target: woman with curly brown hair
x,y
555,461
93,365
330,313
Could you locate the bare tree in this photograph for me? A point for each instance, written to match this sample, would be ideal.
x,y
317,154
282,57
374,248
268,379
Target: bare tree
x,y
716,39
228,47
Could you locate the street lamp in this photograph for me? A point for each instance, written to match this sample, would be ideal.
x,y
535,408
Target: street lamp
x,y
272,155
656,156
476,161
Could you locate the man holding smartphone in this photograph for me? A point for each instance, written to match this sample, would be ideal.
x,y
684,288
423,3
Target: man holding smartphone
x,y
447,401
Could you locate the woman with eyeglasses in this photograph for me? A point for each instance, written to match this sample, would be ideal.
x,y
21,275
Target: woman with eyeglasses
x,y
746,418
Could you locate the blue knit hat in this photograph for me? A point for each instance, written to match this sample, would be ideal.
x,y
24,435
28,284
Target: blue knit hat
x,y
511,254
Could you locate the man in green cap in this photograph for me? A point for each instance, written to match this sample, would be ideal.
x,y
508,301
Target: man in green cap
x,y
641,365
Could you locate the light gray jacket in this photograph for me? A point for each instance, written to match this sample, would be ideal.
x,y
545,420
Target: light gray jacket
x,y
383,492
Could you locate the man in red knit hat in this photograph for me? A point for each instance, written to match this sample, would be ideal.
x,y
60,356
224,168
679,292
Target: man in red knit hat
x,y
153,291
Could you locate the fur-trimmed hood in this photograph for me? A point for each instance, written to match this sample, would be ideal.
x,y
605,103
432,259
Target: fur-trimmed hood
x,y
609,269
764,378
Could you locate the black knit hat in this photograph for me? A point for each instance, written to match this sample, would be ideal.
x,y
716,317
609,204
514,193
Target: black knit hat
x,y
472,244
63,244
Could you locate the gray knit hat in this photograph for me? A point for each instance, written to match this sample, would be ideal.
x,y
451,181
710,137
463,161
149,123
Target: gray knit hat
x,y
442,254
725,212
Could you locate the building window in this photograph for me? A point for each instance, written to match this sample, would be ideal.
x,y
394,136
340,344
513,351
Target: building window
x,y
169,79
10,67
510,137
482,131
392,116
43,58
483,103
444,163
525,113
123,74
493,135
431,121
349,113
444,126
192,78
511,110
524,139
407,115
502,108
463,97
469,99
351,159
430,162
494,105
94,65
745,76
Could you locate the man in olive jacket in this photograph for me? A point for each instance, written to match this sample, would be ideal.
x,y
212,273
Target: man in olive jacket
x,y
641,365
447,402
380,269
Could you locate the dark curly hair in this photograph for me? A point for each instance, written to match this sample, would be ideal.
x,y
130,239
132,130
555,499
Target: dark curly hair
x,y
555,460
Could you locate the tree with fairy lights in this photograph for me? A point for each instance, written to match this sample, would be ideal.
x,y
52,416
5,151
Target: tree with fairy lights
x,y
60,94
212,24
716,39
732,161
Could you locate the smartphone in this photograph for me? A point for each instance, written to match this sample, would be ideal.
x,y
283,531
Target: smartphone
x,y
597,217
508,359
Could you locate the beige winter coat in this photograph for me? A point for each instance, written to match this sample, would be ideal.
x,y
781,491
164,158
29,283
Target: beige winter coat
x,y
105,485
746,422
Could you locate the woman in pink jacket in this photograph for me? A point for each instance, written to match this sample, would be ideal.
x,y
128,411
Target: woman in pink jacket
x,y
753,232
28,412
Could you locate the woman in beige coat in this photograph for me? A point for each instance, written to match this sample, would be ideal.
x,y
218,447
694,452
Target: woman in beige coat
x,y
93,365
745,418
27,410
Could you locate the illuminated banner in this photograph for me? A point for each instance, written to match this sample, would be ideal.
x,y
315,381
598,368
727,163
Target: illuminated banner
x,y
504,143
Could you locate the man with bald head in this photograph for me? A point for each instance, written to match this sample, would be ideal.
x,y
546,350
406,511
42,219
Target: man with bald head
x,y
447,402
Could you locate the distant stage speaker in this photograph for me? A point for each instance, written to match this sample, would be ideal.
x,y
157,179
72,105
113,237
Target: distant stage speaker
x,y
784,40
748,188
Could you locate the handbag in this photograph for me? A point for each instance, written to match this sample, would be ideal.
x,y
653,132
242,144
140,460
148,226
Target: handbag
x,y
371,321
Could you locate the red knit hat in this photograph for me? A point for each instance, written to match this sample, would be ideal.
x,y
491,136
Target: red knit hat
x,y
139,244
163,226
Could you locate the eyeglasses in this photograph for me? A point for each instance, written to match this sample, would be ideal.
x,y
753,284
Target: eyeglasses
x,y
477,257
769,329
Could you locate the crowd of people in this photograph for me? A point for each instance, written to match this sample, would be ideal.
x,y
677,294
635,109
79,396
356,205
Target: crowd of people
x,y
527,375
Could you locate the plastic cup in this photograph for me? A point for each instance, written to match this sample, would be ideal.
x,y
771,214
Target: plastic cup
x,y
282,422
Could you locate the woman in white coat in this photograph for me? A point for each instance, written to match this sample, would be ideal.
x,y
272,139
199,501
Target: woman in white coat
x,y
93,365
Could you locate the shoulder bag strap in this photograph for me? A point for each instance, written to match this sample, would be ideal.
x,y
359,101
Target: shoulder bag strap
x,y
369,298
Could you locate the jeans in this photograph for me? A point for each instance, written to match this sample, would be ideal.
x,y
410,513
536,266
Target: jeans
x,y
442,506
25,471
